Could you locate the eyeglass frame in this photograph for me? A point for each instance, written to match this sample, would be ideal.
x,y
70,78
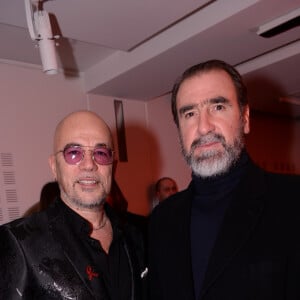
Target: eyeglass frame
x,y
103,146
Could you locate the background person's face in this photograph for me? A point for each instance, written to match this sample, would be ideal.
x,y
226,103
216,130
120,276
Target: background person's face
x,y
167,188
210,124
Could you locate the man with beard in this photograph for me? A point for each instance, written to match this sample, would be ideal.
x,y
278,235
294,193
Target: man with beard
x,y
76,248
233,234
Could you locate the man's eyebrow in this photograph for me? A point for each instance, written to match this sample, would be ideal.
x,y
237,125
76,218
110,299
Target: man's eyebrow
x,y
215,100
101,145
186,108
219,99
72,145
80,145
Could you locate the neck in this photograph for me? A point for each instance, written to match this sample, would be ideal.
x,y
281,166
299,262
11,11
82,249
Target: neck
x,y
102,224
104,234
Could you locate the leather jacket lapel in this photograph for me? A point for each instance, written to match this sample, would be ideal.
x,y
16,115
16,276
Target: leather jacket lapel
x,y
70,248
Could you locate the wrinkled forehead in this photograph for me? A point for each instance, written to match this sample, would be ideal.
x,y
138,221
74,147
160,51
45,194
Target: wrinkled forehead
x,y
86,130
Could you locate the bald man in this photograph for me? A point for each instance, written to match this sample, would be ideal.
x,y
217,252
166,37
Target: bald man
x,y
76,248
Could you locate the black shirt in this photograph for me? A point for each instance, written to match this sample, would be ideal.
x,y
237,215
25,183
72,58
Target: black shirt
x,y
109,275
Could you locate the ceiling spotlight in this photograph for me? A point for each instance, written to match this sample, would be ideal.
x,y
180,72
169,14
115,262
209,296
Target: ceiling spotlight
x,y
280,24
40,30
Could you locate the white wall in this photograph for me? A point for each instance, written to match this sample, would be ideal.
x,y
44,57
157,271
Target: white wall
x,y
31,105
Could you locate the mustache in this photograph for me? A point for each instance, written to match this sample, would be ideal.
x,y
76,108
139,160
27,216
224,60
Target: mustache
x,y
206,139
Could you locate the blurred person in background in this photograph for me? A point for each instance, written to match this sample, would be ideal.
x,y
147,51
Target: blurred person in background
x,y
164,187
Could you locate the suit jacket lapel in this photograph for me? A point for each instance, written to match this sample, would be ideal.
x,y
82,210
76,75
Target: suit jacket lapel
x,y
170,246
183,244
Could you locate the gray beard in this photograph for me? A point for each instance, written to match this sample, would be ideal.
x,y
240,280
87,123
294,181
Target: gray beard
x,y
96,203
213,162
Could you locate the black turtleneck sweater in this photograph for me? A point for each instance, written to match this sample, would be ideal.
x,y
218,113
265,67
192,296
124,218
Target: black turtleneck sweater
x,y
211,198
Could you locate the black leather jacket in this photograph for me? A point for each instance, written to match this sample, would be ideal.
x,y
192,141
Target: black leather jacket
x,y
41,257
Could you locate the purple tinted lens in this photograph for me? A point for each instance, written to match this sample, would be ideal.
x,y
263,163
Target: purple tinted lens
x,y
103,156
73,155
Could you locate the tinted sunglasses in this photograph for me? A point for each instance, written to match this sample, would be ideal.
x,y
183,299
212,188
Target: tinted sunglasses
x,y
74,154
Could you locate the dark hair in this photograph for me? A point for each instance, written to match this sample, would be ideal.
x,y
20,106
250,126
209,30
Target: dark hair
x,y
203,67
48,194
159,181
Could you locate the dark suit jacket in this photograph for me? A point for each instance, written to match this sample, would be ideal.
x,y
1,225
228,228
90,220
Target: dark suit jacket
x,y
41,258
256,255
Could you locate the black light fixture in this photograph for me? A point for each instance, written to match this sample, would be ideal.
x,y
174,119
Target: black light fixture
x,y
280,24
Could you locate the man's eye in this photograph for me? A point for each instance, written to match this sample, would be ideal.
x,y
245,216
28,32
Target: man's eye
x,y
101,153
219,107
188,115
73,152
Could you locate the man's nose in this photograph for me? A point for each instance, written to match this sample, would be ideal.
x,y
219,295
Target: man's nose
x,y
88,161
205,123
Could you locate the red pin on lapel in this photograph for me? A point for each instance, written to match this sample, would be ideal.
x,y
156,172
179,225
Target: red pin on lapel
x,y
90,273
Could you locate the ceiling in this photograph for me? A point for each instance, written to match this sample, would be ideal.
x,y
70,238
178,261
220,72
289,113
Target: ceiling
x,y
136,49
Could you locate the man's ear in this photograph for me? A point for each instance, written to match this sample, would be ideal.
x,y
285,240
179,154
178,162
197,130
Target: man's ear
x,y
246,118
52,164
